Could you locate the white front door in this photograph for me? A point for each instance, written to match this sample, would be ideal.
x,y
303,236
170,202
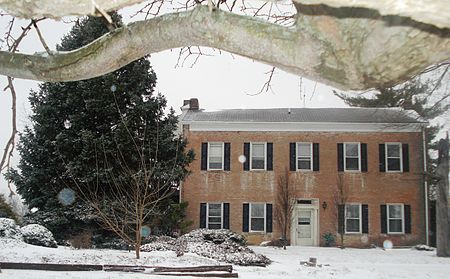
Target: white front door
x,y
305,226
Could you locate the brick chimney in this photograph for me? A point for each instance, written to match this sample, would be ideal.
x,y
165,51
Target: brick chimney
x,y
191,104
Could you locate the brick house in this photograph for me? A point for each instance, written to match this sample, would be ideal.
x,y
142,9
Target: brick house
x,y
353,171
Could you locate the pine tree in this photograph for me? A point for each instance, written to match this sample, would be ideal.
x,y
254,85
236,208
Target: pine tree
x,y
80,129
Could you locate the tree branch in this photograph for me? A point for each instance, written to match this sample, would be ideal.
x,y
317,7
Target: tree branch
x,y
309,49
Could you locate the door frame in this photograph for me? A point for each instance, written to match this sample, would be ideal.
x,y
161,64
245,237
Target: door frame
x,y
313,206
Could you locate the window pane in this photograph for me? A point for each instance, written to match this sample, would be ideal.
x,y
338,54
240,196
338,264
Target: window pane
x,y
258,150
304,149
351,163
352,211
258,164
304,164
257,224
395,211
393,150
214,220
393,164
352,225
215,149
214,226
257,210
215,209
395,226
351,149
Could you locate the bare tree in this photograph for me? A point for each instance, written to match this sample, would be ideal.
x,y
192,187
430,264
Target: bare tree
x,y
340,196
442,209
285,202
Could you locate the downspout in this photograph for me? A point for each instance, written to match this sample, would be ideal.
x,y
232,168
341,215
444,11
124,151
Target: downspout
x,y
426,185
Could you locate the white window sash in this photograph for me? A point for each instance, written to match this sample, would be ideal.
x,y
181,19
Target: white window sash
x,y
352,157
265,156
207,215
250,217
400,156
402,217
353,218
301,158
209,155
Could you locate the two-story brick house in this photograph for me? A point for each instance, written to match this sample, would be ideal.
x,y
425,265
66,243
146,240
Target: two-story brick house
x,y
353,171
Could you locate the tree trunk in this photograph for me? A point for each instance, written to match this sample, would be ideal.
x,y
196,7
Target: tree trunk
x,y
443,237
137,244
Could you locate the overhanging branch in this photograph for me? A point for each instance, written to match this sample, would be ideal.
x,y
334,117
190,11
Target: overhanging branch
x,y
315,48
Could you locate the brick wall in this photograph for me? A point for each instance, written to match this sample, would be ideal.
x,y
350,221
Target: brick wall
x,y
373,187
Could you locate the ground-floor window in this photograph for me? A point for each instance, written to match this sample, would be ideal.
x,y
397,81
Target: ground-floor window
x,y
257,217
353,218
214,213
395,218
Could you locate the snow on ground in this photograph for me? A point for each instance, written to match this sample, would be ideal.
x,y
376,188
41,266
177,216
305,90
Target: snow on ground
x,y
346,263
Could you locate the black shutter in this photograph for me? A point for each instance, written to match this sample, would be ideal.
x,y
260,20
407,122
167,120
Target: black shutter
x,y
245,217
382,157
226,159
405,156
204,162
292,159
247,156
340,153
269,217
407,213
383,218
269,165
341,218
365,218
316,157
364,157
226,216
203,215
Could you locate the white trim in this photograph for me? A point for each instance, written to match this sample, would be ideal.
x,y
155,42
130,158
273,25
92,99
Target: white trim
x,y
209,153
221,214
402,215
250,217
311,156
359,157
360,218
400,146
303,126
250,166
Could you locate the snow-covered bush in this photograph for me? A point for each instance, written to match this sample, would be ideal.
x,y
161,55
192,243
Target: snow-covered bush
x,y
9,229
222,245
38,235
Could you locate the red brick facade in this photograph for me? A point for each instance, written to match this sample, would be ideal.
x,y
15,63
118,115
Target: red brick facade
x,y
373,188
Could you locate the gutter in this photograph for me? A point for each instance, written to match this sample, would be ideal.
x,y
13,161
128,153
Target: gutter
x,y
425,186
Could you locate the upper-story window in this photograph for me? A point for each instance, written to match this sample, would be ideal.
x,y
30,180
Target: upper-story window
x,y
215,156
304,156
393,157
258,156
352,154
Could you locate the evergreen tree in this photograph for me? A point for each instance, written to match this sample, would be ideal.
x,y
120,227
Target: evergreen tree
x,y
80,129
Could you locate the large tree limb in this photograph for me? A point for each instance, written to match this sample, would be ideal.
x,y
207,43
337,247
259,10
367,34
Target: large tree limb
x,y
350,53
434,12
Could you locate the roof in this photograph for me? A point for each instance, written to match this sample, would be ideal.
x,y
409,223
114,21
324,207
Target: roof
x,y
319,115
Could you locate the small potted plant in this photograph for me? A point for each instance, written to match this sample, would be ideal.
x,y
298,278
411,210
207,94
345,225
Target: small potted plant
x,y
328,238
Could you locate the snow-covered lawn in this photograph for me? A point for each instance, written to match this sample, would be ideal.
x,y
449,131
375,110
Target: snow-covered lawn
x,y
346,263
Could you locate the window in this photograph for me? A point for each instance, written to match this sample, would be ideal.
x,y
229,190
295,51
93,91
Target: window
x,y
215,156
352,156
395,215
258,156
393,157
214,216
304,156
257,217
353,218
